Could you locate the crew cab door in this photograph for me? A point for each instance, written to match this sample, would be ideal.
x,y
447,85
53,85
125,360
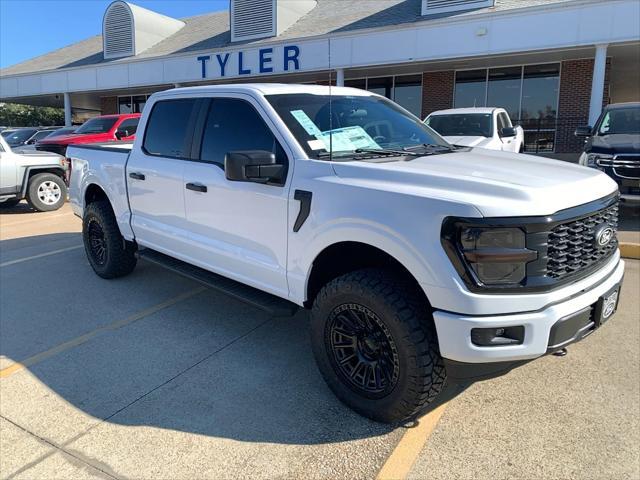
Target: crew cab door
x,y
237,229
155,176
8,172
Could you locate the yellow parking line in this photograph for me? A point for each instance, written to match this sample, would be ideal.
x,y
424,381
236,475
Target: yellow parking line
x,y
16,367
401,460
40,255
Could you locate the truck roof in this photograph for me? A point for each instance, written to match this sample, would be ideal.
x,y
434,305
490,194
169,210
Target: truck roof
x,y
266,89
452,111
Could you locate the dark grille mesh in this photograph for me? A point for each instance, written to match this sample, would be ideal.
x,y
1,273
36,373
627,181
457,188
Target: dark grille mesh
x,y
572,245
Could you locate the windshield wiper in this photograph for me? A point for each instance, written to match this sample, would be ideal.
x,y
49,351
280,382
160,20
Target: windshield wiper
x,y
386,152
430,146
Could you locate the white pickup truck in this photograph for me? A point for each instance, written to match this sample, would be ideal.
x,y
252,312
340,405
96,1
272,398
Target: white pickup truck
x,y
489,128
419,261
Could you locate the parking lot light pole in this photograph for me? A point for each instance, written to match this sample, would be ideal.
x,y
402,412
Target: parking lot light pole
x,y
597,85
67,109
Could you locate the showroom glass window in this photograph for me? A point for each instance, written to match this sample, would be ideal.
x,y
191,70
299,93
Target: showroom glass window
x,y
405,90
540,88
132,104
503,89
471,88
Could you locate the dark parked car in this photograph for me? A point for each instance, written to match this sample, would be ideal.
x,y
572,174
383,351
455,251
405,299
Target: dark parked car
x,y
22,137
613,146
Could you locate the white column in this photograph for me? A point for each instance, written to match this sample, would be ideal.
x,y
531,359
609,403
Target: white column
x,y
340,77
597,86
67,109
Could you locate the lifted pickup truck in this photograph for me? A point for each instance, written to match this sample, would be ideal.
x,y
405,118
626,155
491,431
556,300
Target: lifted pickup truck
x,y
38,177
419,261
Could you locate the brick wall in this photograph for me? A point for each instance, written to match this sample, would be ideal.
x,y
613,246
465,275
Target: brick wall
x,y
108,105
574,99
437,91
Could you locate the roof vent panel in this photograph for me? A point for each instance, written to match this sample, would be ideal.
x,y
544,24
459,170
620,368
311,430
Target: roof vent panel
x,y
128,29
432,7
117,31
253,19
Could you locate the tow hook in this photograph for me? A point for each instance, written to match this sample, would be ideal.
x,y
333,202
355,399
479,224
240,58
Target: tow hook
x,y
560,353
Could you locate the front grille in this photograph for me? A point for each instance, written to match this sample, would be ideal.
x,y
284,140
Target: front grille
x,y
623,165
572,245
53,148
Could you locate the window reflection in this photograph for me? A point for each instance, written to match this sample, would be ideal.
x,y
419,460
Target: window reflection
x,y
471,88
504,89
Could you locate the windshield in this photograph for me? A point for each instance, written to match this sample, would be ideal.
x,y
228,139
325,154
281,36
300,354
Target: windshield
x,y
462,124
620,121
97,125
18,137
344,125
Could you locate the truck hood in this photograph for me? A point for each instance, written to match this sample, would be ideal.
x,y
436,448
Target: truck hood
x,y
498,184
618,143
468,141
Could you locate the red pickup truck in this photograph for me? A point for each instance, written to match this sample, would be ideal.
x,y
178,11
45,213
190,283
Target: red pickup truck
x,y
105,128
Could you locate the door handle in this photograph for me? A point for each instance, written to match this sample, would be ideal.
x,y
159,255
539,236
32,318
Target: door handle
x,y
137,176
196,187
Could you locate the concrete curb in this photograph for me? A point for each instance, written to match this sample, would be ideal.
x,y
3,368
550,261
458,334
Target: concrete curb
x,y
630,250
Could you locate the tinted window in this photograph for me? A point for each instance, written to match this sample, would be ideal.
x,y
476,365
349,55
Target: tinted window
x,y
98,125
18,137
621,121
169,129
234,125
42,134
471,88
504,89
62,131
130,124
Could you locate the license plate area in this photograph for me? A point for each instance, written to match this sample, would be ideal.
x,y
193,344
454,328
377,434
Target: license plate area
x,y
606,306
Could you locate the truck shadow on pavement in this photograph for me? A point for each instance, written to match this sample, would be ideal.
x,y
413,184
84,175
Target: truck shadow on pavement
x,y
203,364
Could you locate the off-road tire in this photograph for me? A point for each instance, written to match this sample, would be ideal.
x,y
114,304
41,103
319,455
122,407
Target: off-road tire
x,y
421,374
118,256
12,202
42,180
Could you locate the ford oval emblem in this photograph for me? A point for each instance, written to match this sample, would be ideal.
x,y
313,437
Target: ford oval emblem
x,y
604,235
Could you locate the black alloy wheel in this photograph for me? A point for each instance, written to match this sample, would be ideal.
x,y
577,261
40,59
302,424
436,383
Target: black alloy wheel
x,y
363,351
97,242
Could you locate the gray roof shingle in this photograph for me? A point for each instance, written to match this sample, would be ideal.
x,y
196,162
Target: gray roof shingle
x,y
211,31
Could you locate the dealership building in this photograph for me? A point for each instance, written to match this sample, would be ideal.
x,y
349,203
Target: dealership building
x,y
552,64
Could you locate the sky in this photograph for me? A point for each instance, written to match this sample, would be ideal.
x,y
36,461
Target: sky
x,y
29,28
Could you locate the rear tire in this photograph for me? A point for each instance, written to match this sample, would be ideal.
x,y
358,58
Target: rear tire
x,y
376,346
109,254
46,192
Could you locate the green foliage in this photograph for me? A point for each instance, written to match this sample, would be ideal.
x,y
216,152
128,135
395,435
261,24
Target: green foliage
x,y
15,115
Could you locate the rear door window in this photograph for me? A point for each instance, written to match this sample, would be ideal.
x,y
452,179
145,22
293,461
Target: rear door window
x,y
169,130
232,125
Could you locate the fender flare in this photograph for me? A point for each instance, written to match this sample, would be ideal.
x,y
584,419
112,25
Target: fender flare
x,y
27,175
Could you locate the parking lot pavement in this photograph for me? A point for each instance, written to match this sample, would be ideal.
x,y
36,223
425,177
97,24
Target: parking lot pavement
x,y
154,376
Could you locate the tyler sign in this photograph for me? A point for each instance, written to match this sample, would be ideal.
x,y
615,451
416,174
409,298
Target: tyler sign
x,y
252,62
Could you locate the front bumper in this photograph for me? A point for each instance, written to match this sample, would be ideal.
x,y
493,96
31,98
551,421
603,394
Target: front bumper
x,y
456,347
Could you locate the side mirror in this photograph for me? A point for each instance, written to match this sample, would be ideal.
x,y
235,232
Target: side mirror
x,y
584,131
508,132
121,133
31,142
252,166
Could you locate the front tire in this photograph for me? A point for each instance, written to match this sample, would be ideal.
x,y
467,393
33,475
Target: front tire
x,y
109,254
46,192
376,346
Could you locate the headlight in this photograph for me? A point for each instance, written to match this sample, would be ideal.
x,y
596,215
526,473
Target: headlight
x,y
497,256
591,159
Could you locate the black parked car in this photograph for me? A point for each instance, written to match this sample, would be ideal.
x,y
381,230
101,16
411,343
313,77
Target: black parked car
x,y
24,137
613,146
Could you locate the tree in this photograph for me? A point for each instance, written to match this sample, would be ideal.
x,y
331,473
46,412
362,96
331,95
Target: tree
x,y
16,115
